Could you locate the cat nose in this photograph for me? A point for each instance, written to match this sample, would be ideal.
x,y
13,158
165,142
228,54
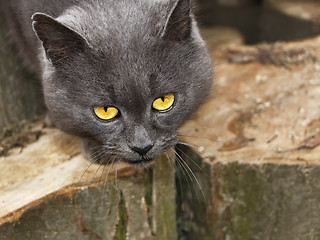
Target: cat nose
x,y
142,150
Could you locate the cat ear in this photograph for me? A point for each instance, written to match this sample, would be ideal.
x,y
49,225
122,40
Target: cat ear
x,y
178,26
59,41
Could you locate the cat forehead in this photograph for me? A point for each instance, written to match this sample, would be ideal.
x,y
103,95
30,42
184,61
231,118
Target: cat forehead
x,y
117,21
141,71
128,83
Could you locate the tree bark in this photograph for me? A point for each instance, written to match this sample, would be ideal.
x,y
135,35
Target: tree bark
x,y
49,191
259,134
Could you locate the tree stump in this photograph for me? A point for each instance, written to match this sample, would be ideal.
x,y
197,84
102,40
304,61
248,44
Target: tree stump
x,y
49,191
259,133
251,170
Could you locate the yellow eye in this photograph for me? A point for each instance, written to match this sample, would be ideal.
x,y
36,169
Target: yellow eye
x,y
106,113
163,103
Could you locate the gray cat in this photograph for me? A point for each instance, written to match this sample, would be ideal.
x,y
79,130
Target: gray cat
x,y
122,74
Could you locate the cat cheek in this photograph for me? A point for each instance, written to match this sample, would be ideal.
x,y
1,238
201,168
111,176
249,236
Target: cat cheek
x,y
165,143
172,120
103,131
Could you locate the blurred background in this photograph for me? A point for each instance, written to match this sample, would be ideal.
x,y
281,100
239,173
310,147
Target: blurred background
x,y
258,21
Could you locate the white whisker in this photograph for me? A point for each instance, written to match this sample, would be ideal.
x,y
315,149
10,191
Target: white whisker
x,y
184,170
116,177
91,163
191,160
182,135
192,176
106,178
104,168
178,175
195,148
95,174
169,160
193,129
190,145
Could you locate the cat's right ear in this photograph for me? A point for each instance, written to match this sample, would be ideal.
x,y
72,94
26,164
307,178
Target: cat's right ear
x,y
59,41
179,24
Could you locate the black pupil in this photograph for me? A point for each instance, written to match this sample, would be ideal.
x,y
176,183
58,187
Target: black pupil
x,y
105,109
162,98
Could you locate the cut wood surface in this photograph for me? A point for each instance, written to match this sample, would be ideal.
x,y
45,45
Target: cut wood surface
x,y
49,191
265,106
259,136
50,165
259,133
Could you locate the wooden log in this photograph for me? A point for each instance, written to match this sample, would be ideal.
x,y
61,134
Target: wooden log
x,y
252,201
259,133
49,191
164,199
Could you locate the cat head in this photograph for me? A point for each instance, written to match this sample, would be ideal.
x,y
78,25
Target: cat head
x,y
125,77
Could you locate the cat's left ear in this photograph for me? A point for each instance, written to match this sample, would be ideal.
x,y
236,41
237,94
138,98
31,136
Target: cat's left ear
x,y
179,24
59,41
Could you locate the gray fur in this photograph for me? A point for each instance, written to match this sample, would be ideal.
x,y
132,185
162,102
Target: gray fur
x,y
124,53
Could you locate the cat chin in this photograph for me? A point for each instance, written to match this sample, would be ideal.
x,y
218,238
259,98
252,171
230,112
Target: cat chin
x,y
94,152
87,146
142,162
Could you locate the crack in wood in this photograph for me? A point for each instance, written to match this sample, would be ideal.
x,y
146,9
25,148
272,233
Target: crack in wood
x,y
122,225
